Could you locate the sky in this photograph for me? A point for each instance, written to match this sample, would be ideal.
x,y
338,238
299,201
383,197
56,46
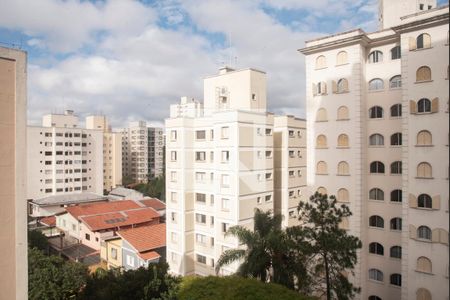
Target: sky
x,y
130,60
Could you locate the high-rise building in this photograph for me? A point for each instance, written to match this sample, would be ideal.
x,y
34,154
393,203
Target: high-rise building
x,y
142,151
63,158
377,118
112,152
13,212
224,159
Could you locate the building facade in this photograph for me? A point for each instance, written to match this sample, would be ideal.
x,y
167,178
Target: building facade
x,y
377,111
63,158
142,151
112,152
13,214
221,166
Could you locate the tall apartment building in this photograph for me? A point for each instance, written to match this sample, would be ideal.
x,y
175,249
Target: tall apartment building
x,y
63,158
13,212
377,118
112,152
142,151
223,161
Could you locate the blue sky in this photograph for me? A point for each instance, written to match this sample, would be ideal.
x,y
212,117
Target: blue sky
x,y
130,60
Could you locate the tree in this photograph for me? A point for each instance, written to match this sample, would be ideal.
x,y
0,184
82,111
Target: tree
x,y
332,251
265,254
51,277
127,180
37,239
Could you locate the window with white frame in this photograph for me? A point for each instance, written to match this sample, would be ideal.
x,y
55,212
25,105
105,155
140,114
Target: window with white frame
x,y
225,180
173,155
200,218
173,237
200,176
201,259
130,261
225,132
173,135
201,238
173,176
268,176
268,154
200,156
226,204
200,198
268,198
200,134
225,156
173,196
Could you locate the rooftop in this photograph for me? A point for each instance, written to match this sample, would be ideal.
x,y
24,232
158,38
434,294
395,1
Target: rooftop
x,y
153,203
145,238
48,221
67,199
101,208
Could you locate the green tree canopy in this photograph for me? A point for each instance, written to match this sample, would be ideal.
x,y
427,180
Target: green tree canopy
x,y
37,239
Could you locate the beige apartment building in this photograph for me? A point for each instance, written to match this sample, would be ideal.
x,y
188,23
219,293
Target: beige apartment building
x,y
13,212
63,158
112,152
377,118
225,158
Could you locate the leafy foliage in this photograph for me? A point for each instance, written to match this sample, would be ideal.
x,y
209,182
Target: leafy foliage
x,y
330,249
51,277
37,239
141,284
154,188
233,287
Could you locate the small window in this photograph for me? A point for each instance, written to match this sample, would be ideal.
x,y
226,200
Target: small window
x,y
424,170
343,140
376,112
375,274
424,265
423,41
424,232
396,196
374,298
201,259
376,194
396,53
375,56
342,113
321,115
376,84
396,110
343,168
225,132
376,221
396,224
424,105
396,279
321,141
87,236
376,139
423,294
343,195
395,82
341,58
396,139
321,168
342,85
423,74
376,248
200,134
377,167
396,167
396,252
424,201
321,88
321,62
321,190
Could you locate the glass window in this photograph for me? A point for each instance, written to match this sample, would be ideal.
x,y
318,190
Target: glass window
x,y
375,274
376,194
376,84
376,140
375,56
377,167
424,201
395,82
396,224
396,279
424,232
376,112
376,221
396,110
396,252
376,248
396,53
396,196
424,105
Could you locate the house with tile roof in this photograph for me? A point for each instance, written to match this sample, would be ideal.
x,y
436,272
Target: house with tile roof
x,y
156,204
135,247
91,224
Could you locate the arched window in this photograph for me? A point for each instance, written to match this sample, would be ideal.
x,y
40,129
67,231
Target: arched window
x,y
424,170
322,168
343,140
321,62
396,110
424,137
343,195
376,112
396,139
376,194
377,167
375,274
376,248
322,190
424,201
341,58
396,224
374,298
396,167
375,56
395,82
321,115
396,279
376,221
424,265
342,85
396,252
423,41
396,53
423,74
396,196
424,232
376,139
343,168
321,141
342,113
376,84
424,105
423,294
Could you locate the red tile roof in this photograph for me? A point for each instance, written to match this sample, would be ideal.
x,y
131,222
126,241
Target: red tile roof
x,y
145,238
150,255
154,203
49,221
101,208
119,218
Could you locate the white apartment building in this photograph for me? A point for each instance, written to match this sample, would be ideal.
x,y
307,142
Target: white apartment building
x,y
223,161
63,158
142,151
377,118
112,152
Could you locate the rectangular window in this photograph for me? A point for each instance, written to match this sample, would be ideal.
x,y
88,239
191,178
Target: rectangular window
x,y
268,198
268,131
291,133
258,131
201,238
258,200
225,180
173,217
173,135
291,174
225,204
268,176
173,197
173,176
225,156
173,237
200,156
130,260
291,194
268,154
200,218
211,199
225,227
200,176
173,155
87,237
113,253
200,134
225,132
200,198
291,154
201,259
